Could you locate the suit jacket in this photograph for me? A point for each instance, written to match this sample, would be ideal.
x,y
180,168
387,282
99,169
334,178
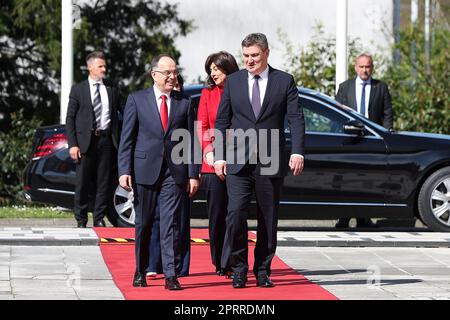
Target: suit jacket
x,y
380,107
280,101
143,143
80,115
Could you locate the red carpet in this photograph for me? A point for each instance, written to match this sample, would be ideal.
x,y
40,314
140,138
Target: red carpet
x,y
203,283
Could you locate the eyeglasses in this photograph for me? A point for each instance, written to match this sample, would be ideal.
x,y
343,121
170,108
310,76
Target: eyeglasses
x,y
167,73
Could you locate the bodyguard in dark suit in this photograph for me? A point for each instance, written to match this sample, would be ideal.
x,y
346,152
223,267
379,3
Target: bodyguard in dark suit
x,y
256,100
92,133
147,165
371,98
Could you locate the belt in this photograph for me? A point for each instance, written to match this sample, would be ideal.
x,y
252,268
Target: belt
x,y
98,132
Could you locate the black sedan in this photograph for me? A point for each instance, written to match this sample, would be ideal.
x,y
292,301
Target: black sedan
x,y
353,168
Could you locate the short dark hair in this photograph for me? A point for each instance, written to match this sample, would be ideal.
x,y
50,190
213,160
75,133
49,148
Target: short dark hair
x,y
155,60
224,61
95,55
258,39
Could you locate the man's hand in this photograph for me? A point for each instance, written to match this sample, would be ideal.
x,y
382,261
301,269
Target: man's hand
x,y
125,182
210,158
296,164
220,167
192,187
75,153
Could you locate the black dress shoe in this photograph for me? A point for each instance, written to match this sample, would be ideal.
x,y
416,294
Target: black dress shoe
x,y
81,224
365,223
100,224
139,280
239,280
172,284
263,281
342,223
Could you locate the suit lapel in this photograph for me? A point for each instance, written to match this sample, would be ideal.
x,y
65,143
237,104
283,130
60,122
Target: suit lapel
x,y
150,98
109,91
373,91
87,95
244,84
352,95
173,109
268,93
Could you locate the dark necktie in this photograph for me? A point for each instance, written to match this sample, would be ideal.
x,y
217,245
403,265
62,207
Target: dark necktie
x,y
363,99
163,112
256,99
97,106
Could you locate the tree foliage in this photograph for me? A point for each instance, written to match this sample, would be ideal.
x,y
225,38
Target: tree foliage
x,y
30,54
15,148
420,90
314,66
131,33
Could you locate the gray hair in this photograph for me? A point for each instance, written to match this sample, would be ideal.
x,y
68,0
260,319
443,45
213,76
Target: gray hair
x,y
95,55
258,39
365,55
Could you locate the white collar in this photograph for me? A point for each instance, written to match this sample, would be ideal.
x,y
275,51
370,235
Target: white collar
x,y
262,75
360,81
92,81
159,93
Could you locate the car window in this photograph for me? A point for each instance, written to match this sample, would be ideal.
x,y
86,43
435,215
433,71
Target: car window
x,y
319,118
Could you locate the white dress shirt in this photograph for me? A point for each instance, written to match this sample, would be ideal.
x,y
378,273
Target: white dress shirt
x,y
358,87
158,94
262,81
105,118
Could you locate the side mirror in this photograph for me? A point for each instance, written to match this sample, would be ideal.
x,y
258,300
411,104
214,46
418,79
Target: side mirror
x,y
355,127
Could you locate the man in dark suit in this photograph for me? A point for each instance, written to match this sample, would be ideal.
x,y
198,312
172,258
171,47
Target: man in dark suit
x,y
256,101
92,132
371,98
148,164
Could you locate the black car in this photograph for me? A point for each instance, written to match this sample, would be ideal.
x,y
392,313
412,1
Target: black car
x,y
353,168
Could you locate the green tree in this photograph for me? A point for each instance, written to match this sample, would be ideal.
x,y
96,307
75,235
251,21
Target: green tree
x,y
30,52
15,148
420,92
131,33
314,66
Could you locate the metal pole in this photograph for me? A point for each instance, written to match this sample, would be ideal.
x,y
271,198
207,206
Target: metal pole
x,y
427,34
414,16
397,30
341,42
66,57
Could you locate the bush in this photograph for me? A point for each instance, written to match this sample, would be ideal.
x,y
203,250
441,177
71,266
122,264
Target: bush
x,y
15,148
420,92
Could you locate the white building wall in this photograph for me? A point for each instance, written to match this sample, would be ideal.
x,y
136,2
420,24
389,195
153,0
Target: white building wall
x,y
222,24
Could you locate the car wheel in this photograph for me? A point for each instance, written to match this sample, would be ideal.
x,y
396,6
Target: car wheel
x,y
121,212
434,201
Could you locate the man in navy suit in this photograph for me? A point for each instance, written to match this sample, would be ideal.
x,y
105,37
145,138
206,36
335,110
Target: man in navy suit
x,y
152,117
372,99
256,101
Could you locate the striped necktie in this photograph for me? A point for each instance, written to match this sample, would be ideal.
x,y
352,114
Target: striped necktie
x,y
97,106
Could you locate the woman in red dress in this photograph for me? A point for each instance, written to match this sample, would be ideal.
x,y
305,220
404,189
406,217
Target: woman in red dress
x,y
217,66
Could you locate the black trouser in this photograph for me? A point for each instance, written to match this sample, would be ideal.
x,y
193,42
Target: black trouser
x,y
94,172
267,190
169,196
217,201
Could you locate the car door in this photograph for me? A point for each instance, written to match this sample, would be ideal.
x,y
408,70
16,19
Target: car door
x,y
343,173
